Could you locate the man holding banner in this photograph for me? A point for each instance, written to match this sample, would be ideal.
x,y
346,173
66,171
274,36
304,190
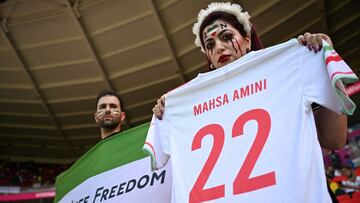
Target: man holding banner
x,y
116,169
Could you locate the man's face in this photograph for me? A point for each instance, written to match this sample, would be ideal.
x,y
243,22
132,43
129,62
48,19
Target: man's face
x,y
108,113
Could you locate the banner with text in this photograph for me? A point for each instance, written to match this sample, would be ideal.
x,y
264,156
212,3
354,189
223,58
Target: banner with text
x,y
115,170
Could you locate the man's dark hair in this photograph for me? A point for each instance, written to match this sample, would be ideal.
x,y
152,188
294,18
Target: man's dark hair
x,y
107,92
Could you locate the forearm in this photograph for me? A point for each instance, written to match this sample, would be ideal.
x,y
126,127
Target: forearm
x,y
332,128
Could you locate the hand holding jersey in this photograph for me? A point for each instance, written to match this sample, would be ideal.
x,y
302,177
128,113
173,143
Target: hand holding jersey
x,y
252,118
247,128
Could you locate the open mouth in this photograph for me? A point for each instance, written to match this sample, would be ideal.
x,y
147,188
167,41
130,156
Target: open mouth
x,y
224,58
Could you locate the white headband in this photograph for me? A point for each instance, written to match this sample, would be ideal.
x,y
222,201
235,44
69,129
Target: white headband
x,y
234,9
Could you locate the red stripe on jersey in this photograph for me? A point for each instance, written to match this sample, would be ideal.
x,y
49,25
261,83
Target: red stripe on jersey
x,y
333,58
339,72
152,148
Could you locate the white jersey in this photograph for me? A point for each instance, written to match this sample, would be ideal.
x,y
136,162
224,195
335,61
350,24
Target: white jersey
x,y
246,132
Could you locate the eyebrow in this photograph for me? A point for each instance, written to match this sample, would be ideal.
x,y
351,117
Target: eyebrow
x,y
208,39
222,31
110,104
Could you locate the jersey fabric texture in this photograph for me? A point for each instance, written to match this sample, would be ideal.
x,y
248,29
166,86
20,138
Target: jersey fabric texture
x,y
246,132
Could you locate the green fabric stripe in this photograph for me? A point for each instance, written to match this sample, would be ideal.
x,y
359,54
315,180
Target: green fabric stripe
x,y
153,160
328,48
341,96
110,153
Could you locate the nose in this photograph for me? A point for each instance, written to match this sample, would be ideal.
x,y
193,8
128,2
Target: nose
x,y
219,46
107,109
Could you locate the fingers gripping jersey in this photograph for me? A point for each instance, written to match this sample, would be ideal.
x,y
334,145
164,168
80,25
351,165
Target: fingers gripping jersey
x,y
246,132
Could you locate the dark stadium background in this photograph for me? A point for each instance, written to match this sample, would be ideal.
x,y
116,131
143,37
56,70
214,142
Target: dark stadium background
x,y
56,55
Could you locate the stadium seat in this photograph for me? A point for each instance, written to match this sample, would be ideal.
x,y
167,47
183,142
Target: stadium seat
x,y
357,171
353,200
4,182
343,197
356,195
339,178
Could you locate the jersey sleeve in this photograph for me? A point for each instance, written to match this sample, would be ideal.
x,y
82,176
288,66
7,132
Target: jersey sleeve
x,y
157,143
340,75
324,76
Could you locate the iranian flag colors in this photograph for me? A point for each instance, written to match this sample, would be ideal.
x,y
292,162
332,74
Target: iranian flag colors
x,y
340,74
115,170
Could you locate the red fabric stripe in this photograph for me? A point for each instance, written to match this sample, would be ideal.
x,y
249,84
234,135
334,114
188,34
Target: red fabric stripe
x,y
339,72
152,148
333,58
353,89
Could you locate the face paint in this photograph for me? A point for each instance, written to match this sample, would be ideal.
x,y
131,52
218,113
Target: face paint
x,y
223,26
116,112
221,38
232,44
214,30
211,31
102,112
239,47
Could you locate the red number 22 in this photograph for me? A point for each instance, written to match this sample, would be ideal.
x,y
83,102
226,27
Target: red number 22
x,y
242,182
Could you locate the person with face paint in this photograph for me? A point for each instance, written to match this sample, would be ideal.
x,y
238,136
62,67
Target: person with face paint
x,y
224,33
109,114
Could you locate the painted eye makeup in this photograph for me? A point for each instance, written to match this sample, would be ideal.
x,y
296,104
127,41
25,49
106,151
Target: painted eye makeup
x,y
209,45
228,37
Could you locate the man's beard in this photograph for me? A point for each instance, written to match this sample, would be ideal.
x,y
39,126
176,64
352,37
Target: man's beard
x,y
109,124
